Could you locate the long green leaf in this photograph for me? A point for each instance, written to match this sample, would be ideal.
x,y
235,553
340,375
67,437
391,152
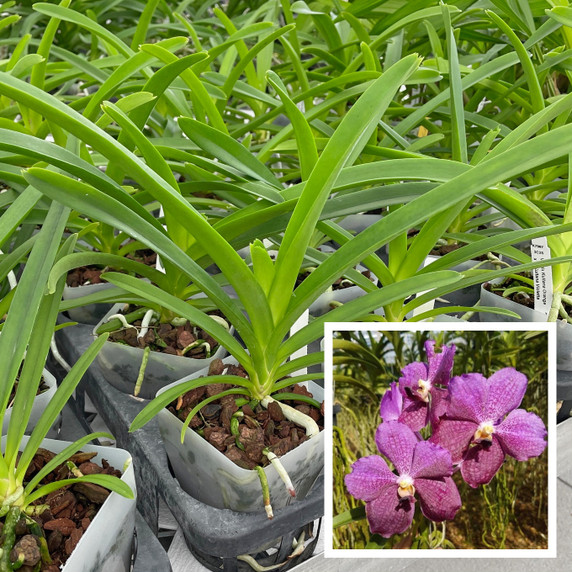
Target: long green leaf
x,y
342,149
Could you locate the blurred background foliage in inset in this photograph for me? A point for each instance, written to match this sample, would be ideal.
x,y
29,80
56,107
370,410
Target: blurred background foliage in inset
x,y
510,512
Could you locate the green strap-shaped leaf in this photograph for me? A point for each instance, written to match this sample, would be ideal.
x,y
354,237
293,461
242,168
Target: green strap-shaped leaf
x,y
199,93
362,306
227,150
182,309
31,373
27,299
520,159
342,149
162,400
304,137
108,481
77,259
458,135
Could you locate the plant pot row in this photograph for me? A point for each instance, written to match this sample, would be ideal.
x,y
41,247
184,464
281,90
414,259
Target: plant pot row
x,y
194,501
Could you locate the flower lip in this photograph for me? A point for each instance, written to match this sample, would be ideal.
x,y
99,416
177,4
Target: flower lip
x,y
484,431
406,488
424,389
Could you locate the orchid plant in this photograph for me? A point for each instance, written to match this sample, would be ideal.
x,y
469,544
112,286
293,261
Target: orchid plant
x,y
232,154
26,336
433,426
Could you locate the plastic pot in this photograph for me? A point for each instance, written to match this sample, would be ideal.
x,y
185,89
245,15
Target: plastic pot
x,y
468,296
90,313
210,477
108,541
40,403
120,365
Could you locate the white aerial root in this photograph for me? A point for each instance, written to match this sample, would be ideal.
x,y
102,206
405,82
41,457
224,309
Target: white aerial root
x,y
298,546
255,566
277,464
295,416
122,319
220,320
147,318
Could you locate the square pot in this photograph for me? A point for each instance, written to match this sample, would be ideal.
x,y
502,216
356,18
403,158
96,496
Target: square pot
x,y
210,477
120,365
108,541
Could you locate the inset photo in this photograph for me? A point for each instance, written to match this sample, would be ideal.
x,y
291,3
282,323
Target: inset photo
x,y
442,441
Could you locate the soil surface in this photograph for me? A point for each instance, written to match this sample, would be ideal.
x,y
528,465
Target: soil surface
x,y
41,388
69,512
258,428
339,284
169,339
446,248
523,298
85,275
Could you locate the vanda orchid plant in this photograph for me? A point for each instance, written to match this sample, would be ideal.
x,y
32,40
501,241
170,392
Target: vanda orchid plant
x,y
433,426
24,344
265,292
267,304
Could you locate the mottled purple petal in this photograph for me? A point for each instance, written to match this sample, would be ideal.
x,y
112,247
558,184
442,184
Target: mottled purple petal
x,y
397,442
440,365
439,404
506,390
410,376
468,394
439,499
522,435
388,514
414,413
391,404
369,475
482,462
430,461
454,435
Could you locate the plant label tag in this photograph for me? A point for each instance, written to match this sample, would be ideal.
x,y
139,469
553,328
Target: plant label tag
x,y
539,250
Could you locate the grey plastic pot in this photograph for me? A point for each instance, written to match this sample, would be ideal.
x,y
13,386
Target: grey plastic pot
x,y
120,365
210,477
108,541
40,403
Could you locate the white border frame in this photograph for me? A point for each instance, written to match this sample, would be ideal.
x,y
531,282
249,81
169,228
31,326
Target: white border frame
x,y
550,552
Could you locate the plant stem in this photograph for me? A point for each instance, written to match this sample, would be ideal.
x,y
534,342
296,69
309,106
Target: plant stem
x,y
555,307
9,532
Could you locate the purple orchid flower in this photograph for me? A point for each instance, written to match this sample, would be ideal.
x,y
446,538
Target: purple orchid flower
x,y
483,425
391,405
423,401
423,469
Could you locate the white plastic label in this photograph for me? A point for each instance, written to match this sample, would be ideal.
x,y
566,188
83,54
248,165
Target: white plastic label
x,y
542,276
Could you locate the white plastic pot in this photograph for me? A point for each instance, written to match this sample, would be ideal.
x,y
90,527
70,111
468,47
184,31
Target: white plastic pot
x,y
210,477
40,403
90,313
108,541
120,365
